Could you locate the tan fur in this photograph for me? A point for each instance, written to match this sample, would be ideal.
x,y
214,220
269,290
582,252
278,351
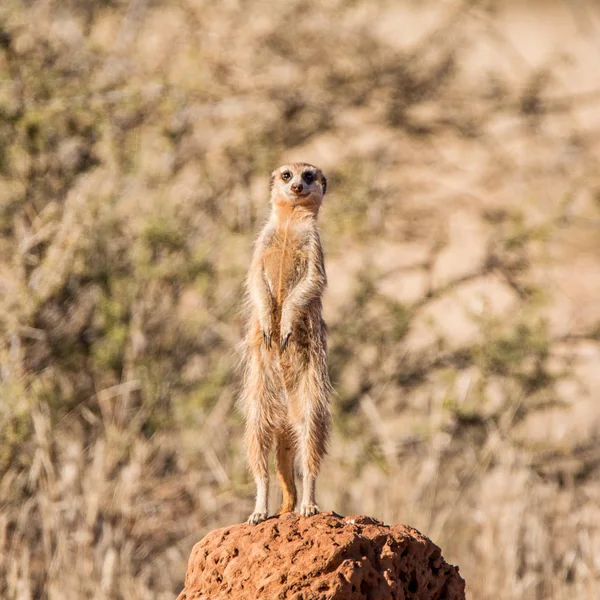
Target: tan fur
x,y
285,395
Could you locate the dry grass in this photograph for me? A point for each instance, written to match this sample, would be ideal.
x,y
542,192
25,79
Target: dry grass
x,y
461,145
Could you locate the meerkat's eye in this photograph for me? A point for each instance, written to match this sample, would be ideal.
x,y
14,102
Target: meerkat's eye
x,y
286,176
309,177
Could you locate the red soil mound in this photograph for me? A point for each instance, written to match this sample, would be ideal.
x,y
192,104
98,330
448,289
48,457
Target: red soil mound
x,y
325,557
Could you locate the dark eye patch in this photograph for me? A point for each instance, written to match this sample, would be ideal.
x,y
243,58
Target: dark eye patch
x,y
308,176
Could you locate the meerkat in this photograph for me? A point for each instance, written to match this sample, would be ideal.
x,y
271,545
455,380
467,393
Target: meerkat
x,y
286,387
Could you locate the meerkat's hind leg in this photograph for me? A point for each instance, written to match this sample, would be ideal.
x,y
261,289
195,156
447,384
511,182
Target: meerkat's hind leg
x,y
312,429
259,398
259,445
286,452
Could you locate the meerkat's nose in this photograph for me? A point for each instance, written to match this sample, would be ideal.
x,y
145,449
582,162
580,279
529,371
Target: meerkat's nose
x,y
297,187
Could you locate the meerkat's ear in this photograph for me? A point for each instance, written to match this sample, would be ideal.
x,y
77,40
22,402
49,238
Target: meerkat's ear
x,y
272,181
323,183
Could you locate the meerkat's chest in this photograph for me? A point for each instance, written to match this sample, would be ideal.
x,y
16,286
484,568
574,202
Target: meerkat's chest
x,y
285,263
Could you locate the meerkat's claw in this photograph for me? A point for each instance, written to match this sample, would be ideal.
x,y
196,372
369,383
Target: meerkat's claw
x,y
267,339
309,510
257,517
285,340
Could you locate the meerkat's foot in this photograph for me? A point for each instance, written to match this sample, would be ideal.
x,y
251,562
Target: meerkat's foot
x,y
309,510
257,517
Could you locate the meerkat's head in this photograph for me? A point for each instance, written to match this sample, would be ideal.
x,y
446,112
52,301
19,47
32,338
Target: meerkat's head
x,y
298,184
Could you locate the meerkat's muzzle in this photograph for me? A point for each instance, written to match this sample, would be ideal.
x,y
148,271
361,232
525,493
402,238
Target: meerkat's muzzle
x,y
297,188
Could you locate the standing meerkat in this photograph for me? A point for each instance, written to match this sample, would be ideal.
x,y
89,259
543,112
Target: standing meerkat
x,y
286,388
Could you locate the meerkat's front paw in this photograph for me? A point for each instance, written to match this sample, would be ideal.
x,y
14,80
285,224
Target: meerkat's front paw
x,y
309,510
267,332
286,328
267,336
284,339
